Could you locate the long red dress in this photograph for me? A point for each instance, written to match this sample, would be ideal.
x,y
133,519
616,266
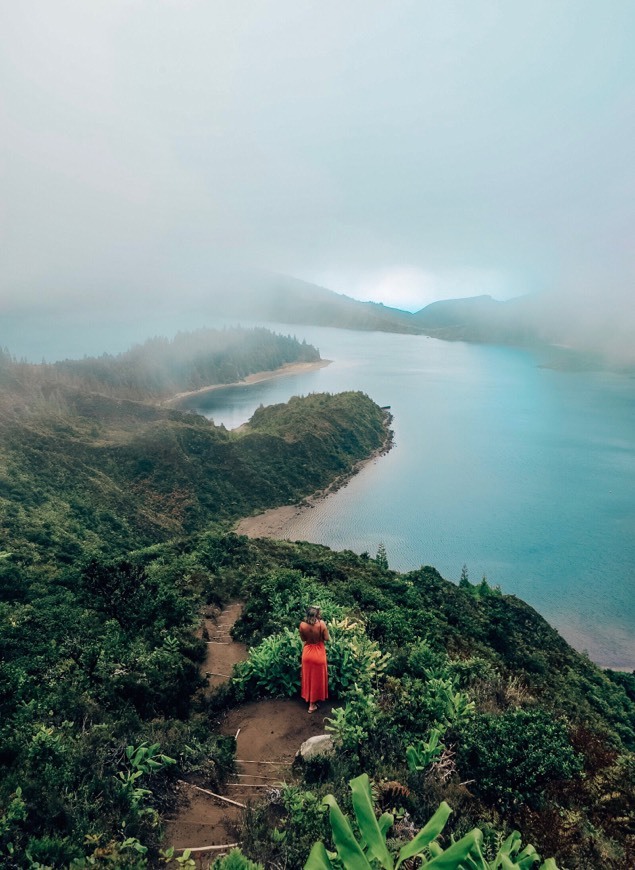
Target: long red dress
x,y
314,669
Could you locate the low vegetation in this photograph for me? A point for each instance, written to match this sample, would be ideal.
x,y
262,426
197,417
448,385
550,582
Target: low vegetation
x,y
115,534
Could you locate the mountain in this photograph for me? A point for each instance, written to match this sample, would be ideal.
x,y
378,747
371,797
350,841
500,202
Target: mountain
x,y
96,462
575,334
284,299
481,319
570,334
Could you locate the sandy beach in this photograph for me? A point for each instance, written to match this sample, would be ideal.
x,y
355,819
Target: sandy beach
x,y
257,377
276,522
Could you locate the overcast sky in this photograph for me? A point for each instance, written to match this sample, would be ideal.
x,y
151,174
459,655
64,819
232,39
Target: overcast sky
x,y
396,151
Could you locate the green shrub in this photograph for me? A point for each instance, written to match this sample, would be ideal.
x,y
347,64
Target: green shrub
x,y
369,848
273,667
281,601
425,662
412,706
424,752
353,658
235,861
353,724
514,757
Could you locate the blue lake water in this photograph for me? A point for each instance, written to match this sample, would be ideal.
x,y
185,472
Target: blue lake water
x,y
525,474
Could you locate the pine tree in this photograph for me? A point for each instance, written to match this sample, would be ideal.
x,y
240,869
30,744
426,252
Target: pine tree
x,y
381,559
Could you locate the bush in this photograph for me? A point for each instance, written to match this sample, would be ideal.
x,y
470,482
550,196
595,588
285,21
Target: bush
x,y
273,667
514,757
235,861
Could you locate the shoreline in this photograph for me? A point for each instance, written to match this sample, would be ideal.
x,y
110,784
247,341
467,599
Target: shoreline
x,y
273,522
295,368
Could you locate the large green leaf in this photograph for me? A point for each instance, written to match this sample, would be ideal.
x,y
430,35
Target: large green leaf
x,y
454,855
348,849
527,858
318,858
508,859
428,833
385,822
368,826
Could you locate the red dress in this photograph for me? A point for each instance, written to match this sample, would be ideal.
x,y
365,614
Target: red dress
x,y
314,670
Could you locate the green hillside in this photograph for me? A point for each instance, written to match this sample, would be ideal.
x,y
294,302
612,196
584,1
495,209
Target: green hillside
x,y
115,534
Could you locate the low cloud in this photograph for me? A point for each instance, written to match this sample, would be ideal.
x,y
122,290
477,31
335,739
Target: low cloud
x,y
400,153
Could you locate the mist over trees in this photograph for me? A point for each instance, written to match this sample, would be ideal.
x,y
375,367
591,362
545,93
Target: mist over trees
x,y
190,361
159,368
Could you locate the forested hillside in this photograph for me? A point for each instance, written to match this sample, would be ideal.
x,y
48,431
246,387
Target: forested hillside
x,y
108,475
96,652
160,367
115,518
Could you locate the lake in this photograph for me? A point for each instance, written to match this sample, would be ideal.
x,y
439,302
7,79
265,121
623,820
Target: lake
x,y
524,474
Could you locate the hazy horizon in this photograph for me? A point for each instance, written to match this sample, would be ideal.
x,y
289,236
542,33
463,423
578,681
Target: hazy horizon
x,y
401,153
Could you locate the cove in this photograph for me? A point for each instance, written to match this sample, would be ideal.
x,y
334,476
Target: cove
x,y
524,474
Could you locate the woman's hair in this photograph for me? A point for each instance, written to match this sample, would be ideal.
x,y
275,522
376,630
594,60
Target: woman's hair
x,y
312,614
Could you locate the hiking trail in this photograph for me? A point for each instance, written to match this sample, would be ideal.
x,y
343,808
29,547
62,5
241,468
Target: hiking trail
x,y
268,735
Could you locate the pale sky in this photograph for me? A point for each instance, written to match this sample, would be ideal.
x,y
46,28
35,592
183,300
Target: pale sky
x,y
401,152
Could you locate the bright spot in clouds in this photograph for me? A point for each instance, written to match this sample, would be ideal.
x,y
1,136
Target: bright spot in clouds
x,y
411,288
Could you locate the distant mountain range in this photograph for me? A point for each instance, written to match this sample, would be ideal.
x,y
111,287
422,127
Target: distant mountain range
x,y
569,331
573,334
283,299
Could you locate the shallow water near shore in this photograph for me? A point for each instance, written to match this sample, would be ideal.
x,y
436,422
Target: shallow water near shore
x,y
523,473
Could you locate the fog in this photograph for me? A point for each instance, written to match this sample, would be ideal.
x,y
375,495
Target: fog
x,y
402,152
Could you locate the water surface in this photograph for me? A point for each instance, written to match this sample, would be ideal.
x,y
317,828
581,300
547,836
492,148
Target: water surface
x,y
523,473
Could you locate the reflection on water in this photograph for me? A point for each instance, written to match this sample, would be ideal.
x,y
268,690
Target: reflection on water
x,y
524,474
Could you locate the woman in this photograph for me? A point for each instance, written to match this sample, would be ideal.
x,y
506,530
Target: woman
x,y
314,632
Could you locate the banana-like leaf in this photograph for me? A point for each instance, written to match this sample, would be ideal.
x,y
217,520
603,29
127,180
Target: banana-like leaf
x,y
428,833
348,849
507,859
527,858
467,846
412,757
549,864
365,815
385,823
510,845
318,858
476,863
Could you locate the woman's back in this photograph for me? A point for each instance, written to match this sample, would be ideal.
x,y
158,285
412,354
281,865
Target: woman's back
x,y
313,633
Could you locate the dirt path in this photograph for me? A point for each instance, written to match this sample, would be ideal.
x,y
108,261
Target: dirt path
x,y
222,652
268,735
